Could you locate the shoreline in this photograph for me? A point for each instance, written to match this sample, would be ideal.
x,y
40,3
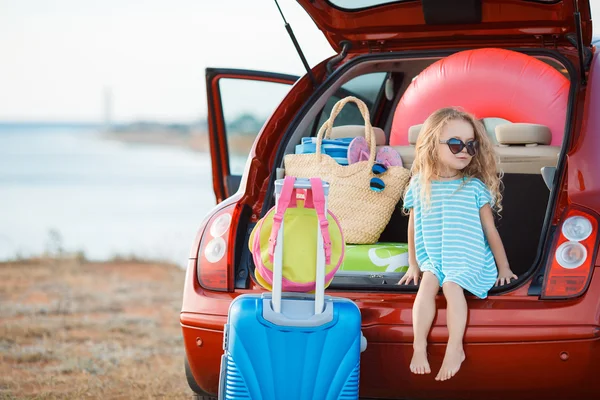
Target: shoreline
x,y
238,144
196,141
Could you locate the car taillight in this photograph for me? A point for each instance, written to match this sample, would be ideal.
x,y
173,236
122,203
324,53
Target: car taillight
x,y
215,254
571,263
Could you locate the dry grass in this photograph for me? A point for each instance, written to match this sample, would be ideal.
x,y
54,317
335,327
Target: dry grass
x,y
71,329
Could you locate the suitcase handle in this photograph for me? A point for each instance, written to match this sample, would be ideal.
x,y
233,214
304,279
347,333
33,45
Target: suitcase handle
x,y
319,190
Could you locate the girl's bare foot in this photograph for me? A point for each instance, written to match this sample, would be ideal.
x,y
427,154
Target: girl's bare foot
x,y
454,357
419,364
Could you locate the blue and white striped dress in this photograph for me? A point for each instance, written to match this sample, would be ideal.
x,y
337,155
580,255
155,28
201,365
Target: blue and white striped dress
x,y
449,238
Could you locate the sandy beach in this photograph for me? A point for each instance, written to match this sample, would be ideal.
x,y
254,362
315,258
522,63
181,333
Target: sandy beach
x,y
71,329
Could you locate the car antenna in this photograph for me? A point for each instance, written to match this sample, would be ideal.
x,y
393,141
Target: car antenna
x,y
288,28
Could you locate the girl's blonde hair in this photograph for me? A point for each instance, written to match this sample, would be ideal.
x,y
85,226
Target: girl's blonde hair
x,y
482,166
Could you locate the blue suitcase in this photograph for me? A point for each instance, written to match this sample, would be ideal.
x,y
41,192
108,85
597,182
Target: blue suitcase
x,y
292,346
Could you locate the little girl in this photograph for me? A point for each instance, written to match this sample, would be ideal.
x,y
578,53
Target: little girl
x,y
452,239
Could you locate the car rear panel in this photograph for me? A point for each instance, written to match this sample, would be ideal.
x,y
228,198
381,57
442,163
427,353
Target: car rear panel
x,y
517,345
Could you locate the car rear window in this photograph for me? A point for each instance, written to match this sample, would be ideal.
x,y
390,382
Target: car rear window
x,y
362,4
359,4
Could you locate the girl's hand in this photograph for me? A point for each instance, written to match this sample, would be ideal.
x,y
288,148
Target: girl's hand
x,y
504,277
413,274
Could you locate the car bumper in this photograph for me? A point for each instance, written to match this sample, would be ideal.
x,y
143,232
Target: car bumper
x,y
564,369
515,369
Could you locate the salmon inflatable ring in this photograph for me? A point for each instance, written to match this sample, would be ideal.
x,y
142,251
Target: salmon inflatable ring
x,y
487,83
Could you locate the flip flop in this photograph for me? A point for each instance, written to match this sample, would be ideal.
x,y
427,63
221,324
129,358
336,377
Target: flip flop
x,y
358,150
388,156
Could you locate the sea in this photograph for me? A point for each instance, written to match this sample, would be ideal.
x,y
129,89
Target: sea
x,y
65,189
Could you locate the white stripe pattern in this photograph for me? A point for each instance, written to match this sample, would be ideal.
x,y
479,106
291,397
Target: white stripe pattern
x,y
449,238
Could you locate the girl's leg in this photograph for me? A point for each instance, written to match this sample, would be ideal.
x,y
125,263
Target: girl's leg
x,y
422,314
456,314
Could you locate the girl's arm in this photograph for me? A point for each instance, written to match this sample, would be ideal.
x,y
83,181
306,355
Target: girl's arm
x,y
413,273
505,274
412,258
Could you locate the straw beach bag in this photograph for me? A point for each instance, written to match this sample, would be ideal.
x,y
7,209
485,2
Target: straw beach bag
x,y
363,208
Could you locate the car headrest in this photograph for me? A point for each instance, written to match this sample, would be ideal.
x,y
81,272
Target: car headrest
x,y
357,130
486,82
519,134
413,134
490,125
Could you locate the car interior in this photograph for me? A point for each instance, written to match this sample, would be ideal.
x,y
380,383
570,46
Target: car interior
x,y
523,110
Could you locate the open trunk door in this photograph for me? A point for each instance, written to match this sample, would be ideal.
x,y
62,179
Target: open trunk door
x,y
386,25
239,101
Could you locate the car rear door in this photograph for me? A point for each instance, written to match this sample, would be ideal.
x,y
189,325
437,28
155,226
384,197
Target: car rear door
x,y
394,25
239,102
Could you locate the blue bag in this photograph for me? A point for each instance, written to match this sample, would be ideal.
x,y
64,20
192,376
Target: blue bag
x,y
335,148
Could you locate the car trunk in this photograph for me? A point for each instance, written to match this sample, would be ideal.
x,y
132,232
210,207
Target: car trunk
x,y
379,26
384,31
527,201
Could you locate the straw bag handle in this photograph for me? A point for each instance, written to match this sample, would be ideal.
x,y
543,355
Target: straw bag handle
x,y
326,128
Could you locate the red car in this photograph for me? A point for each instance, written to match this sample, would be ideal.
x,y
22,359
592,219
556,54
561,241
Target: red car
x,y
538,337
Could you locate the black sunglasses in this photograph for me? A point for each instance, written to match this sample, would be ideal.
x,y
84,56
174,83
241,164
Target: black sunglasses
x,y
456,145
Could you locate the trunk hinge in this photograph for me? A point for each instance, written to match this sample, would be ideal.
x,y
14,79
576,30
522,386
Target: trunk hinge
x,y
548,41
336,59
375,46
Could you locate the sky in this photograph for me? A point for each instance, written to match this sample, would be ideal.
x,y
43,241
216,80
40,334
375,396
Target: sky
x,y
59,57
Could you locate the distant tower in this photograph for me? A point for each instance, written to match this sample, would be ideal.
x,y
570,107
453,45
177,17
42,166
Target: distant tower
x,y
107,109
